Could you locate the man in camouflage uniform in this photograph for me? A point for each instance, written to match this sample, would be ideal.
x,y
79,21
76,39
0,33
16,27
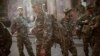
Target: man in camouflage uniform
x,y
21,26
43,30
85,28
39,27
5,41
96,30
68,28
80,9
57,37
96,36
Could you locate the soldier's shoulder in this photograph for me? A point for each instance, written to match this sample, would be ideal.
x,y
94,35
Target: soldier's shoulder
x,y
97,17
84,16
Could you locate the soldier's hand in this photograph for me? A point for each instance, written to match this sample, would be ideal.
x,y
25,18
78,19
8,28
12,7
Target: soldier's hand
x,y
84,21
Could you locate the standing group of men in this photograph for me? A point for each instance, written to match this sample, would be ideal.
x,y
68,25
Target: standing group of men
x,y
89,29
49,31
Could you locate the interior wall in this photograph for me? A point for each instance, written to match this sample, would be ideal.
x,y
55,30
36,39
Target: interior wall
x,y
3,8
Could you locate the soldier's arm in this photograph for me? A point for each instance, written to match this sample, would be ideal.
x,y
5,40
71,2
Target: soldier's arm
x,y
94,23
13,26
82,20
63,23
48,28
97,22
79,22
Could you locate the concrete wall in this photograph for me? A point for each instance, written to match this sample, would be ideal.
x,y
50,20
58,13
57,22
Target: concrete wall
x,y
3,8
57,7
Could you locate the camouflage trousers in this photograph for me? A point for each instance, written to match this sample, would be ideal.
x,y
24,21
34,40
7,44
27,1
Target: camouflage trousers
x,y
64,47
39,42
72,48
24,41
86,42
48,47
96,47
96,50
71,45
65,44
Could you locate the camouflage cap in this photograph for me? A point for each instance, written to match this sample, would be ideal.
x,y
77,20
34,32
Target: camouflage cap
x,y
19,7
66,11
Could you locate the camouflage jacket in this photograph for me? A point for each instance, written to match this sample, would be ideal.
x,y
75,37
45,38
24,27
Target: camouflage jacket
x,y
43,25
96,25
67,24
58,30
20,25
96,29
84,22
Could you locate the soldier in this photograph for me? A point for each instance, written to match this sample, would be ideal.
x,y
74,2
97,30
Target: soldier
x,y
81,13
42,30
80,9
96,36
57,37
96,30
5,41
39,27
85,28
20,26
68,28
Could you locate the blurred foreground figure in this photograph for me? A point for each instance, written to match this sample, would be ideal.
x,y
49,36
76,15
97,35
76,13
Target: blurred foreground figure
x,y
68,26
39,28
5,41
20,26
96,30
42,30
5,21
